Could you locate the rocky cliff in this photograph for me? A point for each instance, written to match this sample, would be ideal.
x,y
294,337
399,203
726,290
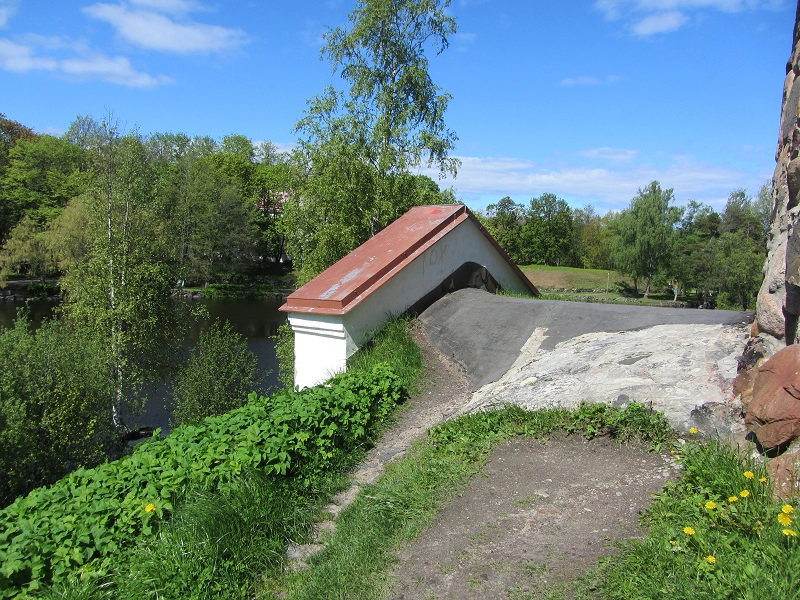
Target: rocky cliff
x,y
779,298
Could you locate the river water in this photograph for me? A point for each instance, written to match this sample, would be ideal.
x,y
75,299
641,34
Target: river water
x,y
256,320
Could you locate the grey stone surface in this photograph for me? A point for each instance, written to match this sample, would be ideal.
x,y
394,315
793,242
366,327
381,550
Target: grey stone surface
x,y
680,361
484,333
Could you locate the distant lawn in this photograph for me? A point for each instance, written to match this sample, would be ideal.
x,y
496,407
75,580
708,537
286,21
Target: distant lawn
x,y
550,278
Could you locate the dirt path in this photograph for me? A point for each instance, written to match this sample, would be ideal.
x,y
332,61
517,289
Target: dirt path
x,y
542,515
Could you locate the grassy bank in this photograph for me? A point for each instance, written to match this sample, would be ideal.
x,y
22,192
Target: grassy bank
x,y
552,278
271,475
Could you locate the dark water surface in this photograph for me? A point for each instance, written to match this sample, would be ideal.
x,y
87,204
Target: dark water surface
x,y
256,320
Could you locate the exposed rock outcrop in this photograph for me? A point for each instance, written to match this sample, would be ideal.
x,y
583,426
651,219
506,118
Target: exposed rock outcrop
x,y
773,415
770,391
779,297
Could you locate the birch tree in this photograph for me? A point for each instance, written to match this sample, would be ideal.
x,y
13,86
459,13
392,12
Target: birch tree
x,y
646,234
359,145
121,288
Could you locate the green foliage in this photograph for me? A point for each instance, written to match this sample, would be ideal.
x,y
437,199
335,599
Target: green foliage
x,y
284,351
41,289
122,286
635,423
542,233
55,399
27,251
718,532
359,147
547,232
216,378
504,221
646,234
42,175
87,522
395,345
216,544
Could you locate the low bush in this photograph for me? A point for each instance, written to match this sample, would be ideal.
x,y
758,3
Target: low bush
x,y
83,524
42,289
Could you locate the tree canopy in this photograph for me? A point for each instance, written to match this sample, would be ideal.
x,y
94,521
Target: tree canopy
x,y
359,147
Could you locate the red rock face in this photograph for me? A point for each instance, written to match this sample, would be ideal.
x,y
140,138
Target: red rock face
x,y
785,474
774,412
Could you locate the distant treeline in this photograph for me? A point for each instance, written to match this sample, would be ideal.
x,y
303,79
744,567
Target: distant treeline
x,y
690,251
225,210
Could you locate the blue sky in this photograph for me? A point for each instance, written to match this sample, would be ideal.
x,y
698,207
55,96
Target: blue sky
x,y
587,99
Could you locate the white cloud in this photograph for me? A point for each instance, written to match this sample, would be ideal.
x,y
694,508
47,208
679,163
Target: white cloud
x,y
21,58
609,187
7,10
153,30
117,70
81,64
663,22
651,17
589,80
612,154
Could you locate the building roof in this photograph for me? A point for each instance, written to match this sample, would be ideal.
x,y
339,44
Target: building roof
x,y
341,287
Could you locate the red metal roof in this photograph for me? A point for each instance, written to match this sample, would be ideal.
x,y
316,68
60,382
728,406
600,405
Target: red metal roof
x,y
344,285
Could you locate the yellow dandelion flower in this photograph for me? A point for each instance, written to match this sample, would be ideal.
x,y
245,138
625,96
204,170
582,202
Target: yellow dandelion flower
x,y
789,533
711,505
733,499
749,474
689,531
672,542
150,507
693,430
710,559
787,509
762,479
744,493
784,519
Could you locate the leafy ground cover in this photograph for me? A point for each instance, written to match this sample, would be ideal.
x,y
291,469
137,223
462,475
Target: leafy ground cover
x,y
718,532
108,528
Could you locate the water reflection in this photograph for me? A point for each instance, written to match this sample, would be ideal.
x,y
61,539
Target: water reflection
x,y
256,320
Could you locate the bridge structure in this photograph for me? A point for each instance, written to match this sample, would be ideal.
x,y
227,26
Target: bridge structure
x,y
425,254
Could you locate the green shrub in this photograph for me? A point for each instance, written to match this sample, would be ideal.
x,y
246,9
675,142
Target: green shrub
x,y
636,422
215,378
81,526
224,290
56,396
392,344
284,351
42,289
